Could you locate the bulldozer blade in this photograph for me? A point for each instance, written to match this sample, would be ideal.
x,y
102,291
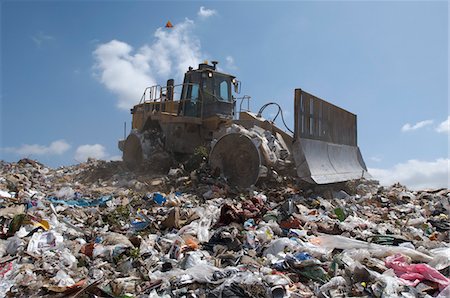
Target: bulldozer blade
x,y
132,151
238,159
322,163
325,142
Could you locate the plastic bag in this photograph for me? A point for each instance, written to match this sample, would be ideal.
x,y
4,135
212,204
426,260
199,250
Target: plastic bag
x,y
82,202
146,248
40,242
203,229
158,198
279,245
62,279
264,234
5,194
391,283
413,274
277,279
65,193
340,242
8,272
445,293
441,258
202,273
335,282
193,259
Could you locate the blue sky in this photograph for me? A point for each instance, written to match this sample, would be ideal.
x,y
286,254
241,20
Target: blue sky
x,y
70,71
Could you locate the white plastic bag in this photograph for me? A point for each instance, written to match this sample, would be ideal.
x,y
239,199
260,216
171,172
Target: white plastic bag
x,y
441,258
279,245
335,282
380,251
40,242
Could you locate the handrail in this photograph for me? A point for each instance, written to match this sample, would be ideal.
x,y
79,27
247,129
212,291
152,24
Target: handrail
x,y
153,92
245,97
156,92
157,95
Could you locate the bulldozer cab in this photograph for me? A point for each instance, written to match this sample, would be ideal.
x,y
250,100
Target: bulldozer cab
x,y
207,92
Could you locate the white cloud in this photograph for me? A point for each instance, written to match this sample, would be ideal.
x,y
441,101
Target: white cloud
x,y
55,148
95,151
84,152
122,73
205,12
127,72
416,174
40,38
375,158
230,63
444,127
409,127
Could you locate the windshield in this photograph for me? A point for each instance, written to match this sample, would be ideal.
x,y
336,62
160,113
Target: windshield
x,y
222,87
218,86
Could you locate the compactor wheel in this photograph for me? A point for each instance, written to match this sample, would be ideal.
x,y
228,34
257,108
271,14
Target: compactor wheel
x,y
238,159
132,151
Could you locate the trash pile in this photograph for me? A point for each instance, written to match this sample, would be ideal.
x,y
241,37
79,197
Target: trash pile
x,y
96,230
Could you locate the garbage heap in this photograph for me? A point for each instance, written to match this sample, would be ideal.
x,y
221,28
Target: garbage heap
x,y
96,230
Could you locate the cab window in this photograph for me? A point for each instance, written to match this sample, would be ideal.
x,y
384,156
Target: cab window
x,y
194,92
224,91
222,88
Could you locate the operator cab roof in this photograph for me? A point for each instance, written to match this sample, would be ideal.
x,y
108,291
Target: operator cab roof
x,y
202,67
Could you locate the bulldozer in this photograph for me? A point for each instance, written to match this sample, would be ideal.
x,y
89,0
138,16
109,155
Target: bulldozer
x,y
175,120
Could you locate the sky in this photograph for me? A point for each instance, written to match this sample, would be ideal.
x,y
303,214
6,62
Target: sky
x,y
71,70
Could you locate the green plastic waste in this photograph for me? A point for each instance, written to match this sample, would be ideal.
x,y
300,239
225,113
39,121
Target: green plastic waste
x,y
340,214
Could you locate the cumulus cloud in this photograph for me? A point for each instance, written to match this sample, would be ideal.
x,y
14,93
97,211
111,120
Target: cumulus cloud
x,y
444,127
122,73
409,127
55,148
416,174
84,152
205,12
127,72
96,151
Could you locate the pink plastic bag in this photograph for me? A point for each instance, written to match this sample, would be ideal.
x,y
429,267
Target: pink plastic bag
x,y
413,274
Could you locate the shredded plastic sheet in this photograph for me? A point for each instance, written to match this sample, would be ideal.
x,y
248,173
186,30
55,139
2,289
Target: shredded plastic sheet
x,y
8,271
413,274
5,194
82,202
41,242
445,293
340,242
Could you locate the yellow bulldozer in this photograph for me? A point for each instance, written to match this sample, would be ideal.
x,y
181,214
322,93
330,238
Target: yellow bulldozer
x,y
174,120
